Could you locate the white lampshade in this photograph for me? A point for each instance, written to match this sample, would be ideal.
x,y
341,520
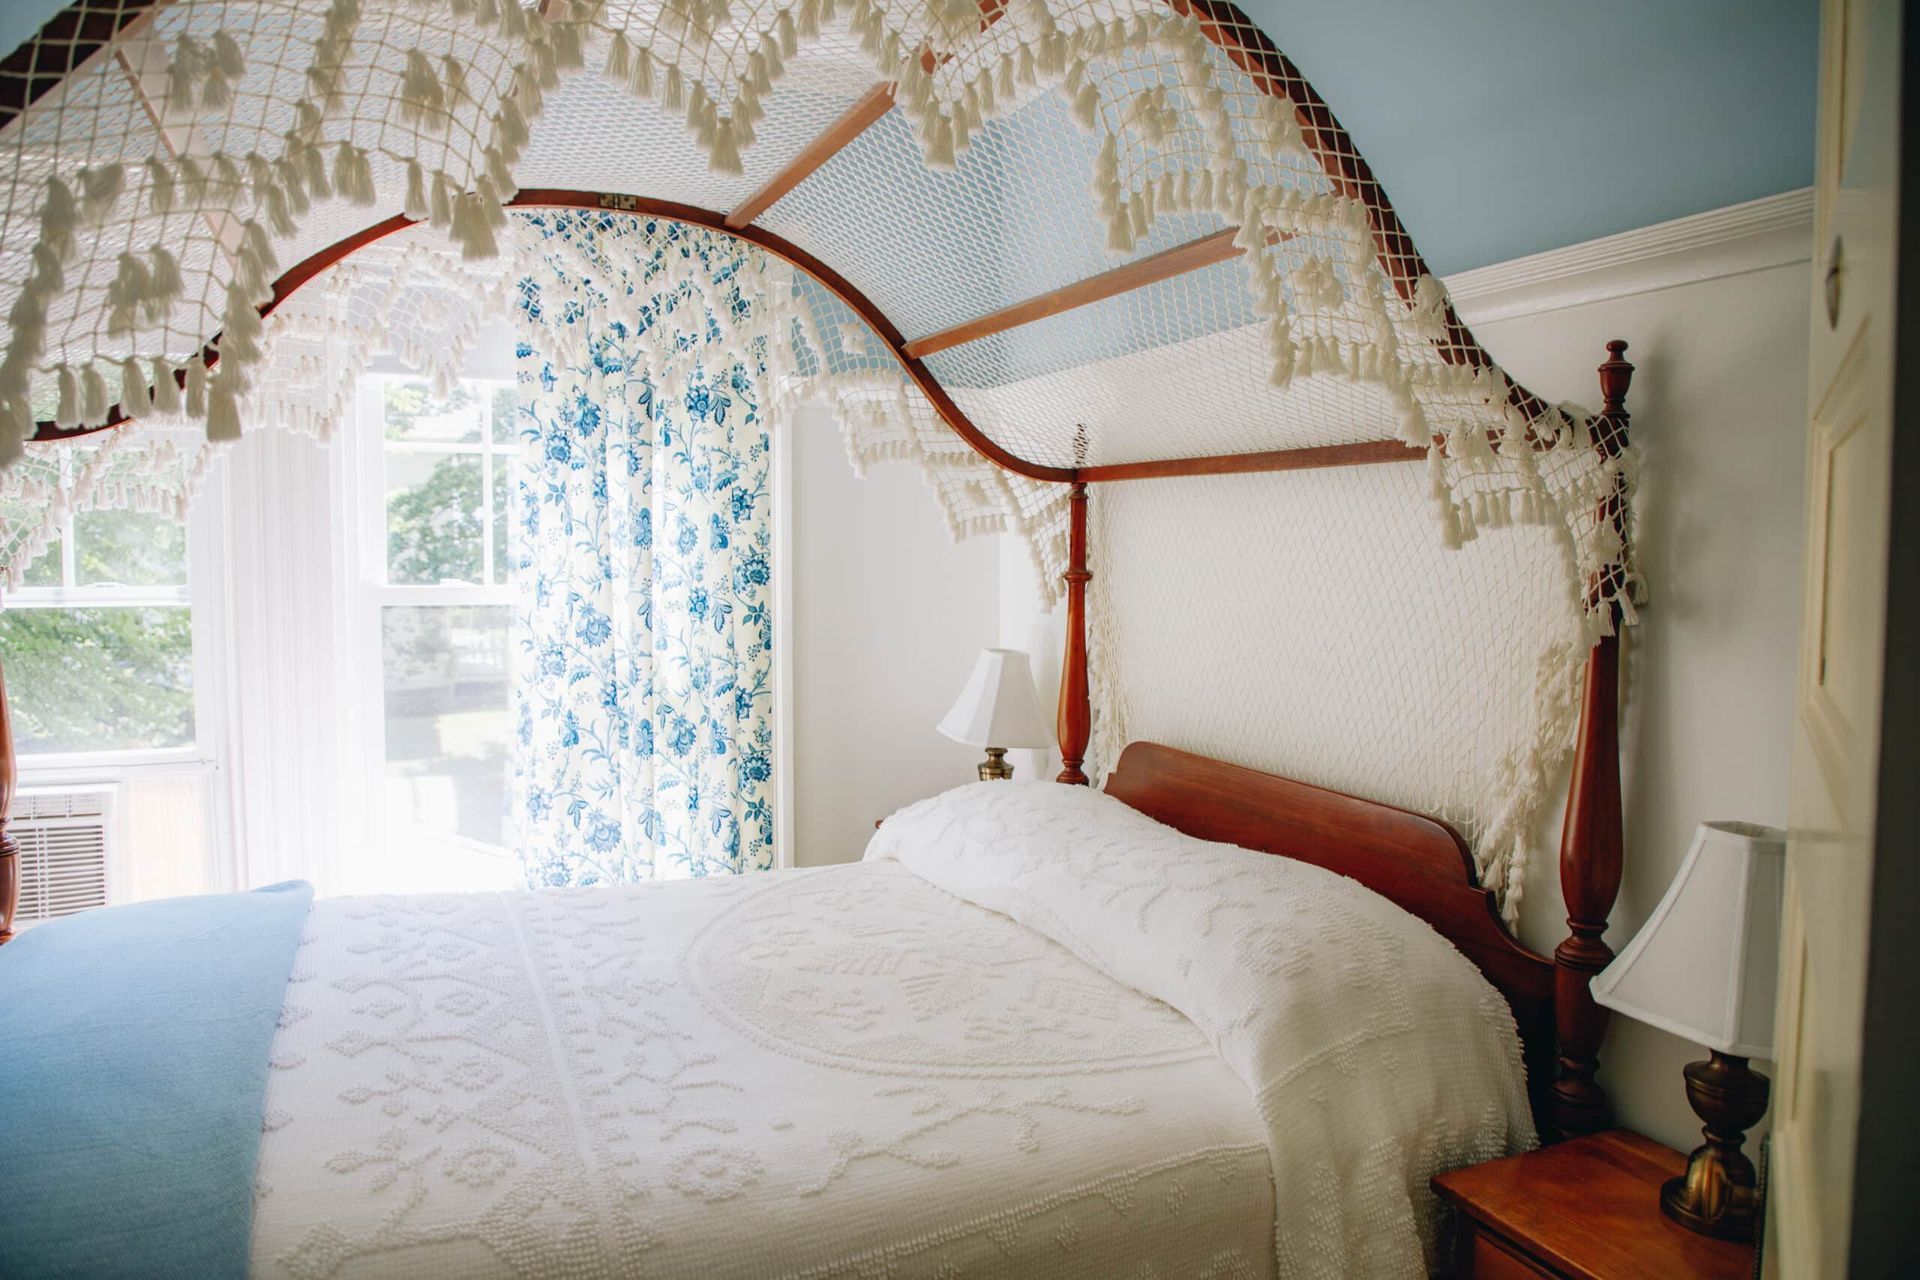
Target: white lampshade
x,y
998,708
1703,966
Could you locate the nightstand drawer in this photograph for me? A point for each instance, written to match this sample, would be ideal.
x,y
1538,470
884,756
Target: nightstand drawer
x,y
1494,1259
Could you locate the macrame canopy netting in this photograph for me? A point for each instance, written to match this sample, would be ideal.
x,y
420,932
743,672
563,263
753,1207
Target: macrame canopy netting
x,y
1037,242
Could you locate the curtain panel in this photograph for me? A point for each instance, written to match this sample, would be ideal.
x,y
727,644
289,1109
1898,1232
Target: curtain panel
x,y
641,547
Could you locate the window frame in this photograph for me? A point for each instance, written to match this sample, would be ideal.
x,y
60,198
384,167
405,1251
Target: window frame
x,y
200,594
368,594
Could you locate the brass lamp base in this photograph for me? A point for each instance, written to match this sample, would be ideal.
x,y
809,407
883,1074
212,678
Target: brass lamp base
x,y
995,767
1716,1195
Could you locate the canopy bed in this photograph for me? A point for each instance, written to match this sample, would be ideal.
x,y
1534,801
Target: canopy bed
x,y
1049,252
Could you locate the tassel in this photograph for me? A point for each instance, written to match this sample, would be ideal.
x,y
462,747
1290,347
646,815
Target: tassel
x,y
940,144
159,185
315,175
93,396
809,19
640,81
416,206
675,96
223,412
135,400
471,230
420,91
742,117
453,81
126,291
725,157
510,126
619,58
166,389
99,189
700,119
1087,106
196,406
278,213
442,202
180,76
783,31
505,188
215,93
49,276
228,57
568,54
66,412
291,185
490,204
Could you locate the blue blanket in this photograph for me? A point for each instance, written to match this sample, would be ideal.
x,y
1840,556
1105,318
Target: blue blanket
x,y
133,1076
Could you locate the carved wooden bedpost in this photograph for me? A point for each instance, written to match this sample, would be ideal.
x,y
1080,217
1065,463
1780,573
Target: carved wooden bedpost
x,y
9,847
1074,724
1590,842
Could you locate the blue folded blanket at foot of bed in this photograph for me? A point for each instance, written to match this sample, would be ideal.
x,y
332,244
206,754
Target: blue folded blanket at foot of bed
x,y
133,1074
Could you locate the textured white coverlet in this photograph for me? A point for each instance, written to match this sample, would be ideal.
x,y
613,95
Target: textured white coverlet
x,y
1376,1053
845,1072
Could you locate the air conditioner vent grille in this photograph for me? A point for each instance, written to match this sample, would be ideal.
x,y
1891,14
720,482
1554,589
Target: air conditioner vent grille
x,y
63,835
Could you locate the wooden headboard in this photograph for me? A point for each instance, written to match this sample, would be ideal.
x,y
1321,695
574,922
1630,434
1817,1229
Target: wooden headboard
x,y
1418,863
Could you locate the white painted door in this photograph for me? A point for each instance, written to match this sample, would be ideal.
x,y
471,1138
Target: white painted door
x,y
1837,736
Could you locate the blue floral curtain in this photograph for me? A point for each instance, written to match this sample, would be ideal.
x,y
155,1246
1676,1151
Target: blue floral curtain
x,y
643,680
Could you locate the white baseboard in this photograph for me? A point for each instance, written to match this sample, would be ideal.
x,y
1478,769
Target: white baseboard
x,y
1773,231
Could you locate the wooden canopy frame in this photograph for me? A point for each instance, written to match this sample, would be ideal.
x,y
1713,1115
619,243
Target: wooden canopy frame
x,y
1543,991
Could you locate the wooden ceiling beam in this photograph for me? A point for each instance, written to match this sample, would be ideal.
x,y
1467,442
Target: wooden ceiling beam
x,y
1165,265
856,120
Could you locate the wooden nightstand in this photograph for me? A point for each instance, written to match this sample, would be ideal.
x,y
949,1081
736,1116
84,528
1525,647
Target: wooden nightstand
x,y
1588,1208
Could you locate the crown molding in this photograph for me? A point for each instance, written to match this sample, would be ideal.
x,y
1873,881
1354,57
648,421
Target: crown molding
x,y
1774,231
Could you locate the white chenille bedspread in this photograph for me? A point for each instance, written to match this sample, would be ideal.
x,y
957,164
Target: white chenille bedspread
x,y
854,1072
1375,1053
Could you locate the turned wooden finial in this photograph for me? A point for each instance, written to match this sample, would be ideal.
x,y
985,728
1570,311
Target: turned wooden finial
x,y
1616,375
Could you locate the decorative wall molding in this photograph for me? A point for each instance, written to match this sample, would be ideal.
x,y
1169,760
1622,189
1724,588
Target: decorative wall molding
x,y
1773,231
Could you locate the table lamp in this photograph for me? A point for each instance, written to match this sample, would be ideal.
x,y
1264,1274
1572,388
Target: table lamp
x,y
998,710
1703,967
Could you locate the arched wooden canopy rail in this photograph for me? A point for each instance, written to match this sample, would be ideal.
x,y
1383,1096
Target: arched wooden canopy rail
x,y
1590,858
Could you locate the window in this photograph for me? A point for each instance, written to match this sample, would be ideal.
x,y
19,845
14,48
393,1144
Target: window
x,y
433,611
98,639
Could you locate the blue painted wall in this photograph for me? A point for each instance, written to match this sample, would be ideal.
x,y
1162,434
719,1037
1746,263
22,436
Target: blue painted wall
x,y
1505,127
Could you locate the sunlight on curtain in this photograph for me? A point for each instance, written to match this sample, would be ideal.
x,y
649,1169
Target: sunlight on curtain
x,y
643,527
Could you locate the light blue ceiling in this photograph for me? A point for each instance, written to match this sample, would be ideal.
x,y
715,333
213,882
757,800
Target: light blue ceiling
x,y
1505,127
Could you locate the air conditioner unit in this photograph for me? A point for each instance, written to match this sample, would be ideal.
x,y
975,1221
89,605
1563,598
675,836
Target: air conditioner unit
x,y
65,834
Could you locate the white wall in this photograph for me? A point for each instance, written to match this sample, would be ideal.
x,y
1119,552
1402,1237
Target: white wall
x,y
1718,402
1719,405
888,616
